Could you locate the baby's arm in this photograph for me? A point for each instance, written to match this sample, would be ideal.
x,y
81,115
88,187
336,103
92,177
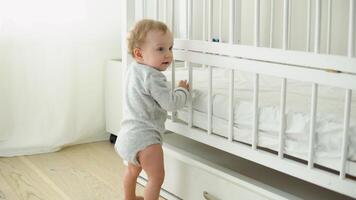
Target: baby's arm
x,y
168,100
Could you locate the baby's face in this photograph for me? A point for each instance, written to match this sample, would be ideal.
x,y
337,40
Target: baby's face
x,y
157,50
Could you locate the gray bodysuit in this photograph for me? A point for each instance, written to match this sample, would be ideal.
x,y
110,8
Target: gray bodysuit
x,y
147,99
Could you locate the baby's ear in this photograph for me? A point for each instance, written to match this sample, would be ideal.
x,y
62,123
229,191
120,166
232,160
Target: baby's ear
x,y
138,54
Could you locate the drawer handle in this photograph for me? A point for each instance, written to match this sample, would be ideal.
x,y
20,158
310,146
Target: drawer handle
x,y
208,196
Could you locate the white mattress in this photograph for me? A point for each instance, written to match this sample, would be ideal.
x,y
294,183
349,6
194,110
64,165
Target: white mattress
x,y
329,126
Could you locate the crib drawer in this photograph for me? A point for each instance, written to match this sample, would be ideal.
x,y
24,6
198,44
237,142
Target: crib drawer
x,y
189,182
197,172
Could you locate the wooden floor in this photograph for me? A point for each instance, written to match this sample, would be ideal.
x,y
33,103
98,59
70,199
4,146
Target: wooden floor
x,y
90,171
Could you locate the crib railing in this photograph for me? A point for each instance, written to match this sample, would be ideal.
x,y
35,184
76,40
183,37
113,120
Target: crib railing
x,y
312,67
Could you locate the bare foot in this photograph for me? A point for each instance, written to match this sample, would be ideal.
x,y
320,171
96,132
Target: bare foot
x,y
139,198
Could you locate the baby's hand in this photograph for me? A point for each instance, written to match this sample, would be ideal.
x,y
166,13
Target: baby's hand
x,y
183,84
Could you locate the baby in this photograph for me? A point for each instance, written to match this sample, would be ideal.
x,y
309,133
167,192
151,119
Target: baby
x,y
147,99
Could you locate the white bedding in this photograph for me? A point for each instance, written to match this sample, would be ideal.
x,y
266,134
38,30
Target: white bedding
x,y
329,126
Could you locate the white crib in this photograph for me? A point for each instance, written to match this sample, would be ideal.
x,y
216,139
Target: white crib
x,y
264,132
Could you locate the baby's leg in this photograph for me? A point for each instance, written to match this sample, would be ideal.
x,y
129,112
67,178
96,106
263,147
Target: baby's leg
x,y
151,160
130,178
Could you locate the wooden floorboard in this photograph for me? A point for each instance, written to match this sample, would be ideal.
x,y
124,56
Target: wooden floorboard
x,y
90,171
23,182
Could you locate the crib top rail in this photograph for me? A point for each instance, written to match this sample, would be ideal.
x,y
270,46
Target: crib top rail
x,y
329,63
301,66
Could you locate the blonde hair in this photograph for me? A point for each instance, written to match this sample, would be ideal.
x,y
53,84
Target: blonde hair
x,y
137,35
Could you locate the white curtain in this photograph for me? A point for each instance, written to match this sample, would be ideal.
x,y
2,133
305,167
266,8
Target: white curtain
x,y
52,63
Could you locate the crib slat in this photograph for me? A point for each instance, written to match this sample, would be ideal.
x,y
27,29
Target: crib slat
x,y
174,114
210,99
186,63
231,21
204,24
210,19
255,111
238,16
190,80
257,23
172,17
345,143
314,88
144,8
282,117
231,106
173,85
328,31
312,124
187,28
350,49
204,21
307,46
189,18
285,24
256,78
220,19
317,27
271,28
231,92
289,23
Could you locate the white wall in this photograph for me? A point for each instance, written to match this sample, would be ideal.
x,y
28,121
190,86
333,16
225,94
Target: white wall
x,y
52,62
